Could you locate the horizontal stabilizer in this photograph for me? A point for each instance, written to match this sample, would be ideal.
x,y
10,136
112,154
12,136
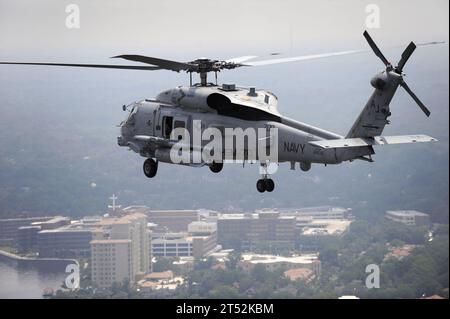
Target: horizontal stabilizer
x,y
377,140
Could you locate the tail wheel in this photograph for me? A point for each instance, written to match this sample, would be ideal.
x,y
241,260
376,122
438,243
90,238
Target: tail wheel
x,y
150,167
216,167
261,185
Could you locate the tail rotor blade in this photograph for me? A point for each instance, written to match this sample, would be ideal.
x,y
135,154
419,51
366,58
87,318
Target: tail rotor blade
x,y
406,55
419,102
375,48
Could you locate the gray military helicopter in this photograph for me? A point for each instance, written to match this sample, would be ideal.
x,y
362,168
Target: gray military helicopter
x,y
148,129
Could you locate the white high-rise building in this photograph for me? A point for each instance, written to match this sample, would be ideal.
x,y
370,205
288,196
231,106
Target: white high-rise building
x,y
111,261
120,250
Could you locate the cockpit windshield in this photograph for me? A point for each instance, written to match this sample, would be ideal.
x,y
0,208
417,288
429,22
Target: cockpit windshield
x,y
131,120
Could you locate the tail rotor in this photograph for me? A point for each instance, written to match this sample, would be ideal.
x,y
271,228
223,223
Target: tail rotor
x,y
399,68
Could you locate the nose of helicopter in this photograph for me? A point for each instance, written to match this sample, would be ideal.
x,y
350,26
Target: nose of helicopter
x,y
122,140
126,128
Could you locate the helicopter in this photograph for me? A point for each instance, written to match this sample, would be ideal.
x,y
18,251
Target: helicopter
x,y
152,126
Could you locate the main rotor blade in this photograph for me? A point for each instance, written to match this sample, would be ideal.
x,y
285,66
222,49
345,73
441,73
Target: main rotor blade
x,y
102,66
419,102
162,63
375,48
244,58
301,58
406,55
241,59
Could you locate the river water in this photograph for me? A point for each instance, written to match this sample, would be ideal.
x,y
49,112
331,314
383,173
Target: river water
x,y
26,283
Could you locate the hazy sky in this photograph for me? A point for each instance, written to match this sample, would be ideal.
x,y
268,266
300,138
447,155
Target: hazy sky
x,y
69,137
176,28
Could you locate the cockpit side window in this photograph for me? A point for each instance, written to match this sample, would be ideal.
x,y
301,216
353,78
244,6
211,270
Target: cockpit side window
x,y
131,121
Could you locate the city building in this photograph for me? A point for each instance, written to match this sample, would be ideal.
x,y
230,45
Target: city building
x,y
160,280
319,212
408,217
111,261
173,220
199,241
399,252
53,223
65,242
120,249
27,238
248,230
60,237
305,274
9,228
184,265
314,227
160,275
272,262
171,245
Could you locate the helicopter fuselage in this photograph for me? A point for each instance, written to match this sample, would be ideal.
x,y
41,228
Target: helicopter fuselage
x,y
231,108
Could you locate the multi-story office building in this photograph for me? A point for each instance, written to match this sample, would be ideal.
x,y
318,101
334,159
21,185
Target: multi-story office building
x,y
64,242
9,228
27,238
112,261
61,238
320,212
53,223
173,220
199,241
171,245
272,262
408,217
248,230
128,232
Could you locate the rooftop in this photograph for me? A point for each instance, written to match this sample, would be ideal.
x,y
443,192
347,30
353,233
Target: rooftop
x,y
253,215
65,230
184,260
270,259
405,213
148,284
326,227
122,220
299,273
110,241
161,275
316,209
24,218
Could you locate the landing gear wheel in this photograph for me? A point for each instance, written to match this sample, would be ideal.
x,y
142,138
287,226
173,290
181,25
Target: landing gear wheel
x,y
150,167
261,185
270,185
216,167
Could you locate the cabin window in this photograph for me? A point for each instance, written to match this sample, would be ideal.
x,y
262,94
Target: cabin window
x,y
167,126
